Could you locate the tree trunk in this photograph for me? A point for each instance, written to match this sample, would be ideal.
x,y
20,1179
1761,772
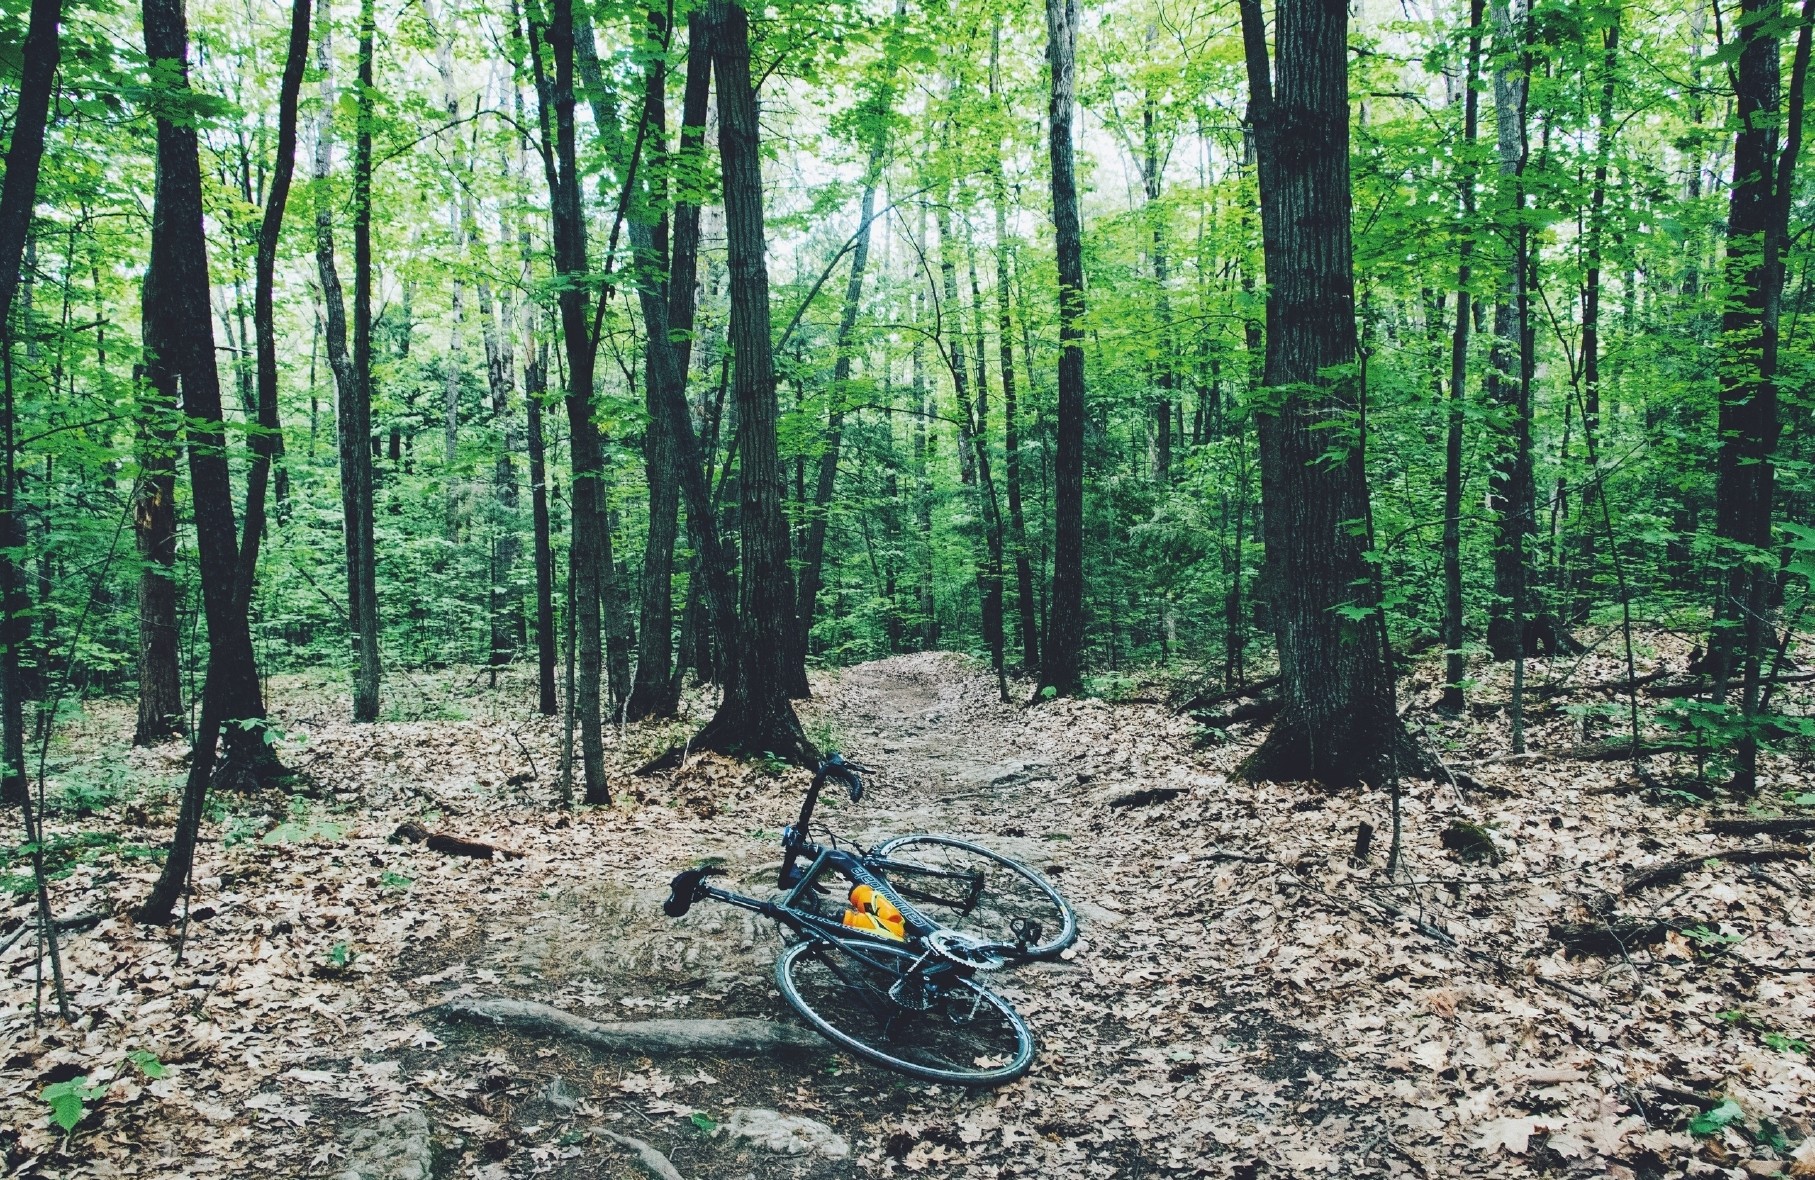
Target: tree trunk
x,y
755,715
1152,165
1455,663
535,387
1510,481
268,439
588,531
1062,671
179,352
1745,475
356,412
1337,724
812,563
18,196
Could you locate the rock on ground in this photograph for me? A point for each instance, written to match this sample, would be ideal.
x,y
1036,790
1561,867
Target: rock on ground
x,y
785,1134
396,1148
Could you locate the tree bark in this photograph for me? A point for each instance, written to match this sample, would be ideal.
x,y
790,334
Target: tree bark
x,y
268,439
1337,724
356,412
179,352
755,715
1062,671
1745,473
588,531
535,387
18,197
1455,663
812,563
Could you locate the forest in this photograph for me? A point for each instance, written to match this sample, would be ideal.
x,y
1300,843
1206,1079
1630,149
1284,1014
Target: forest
x,y
1175,424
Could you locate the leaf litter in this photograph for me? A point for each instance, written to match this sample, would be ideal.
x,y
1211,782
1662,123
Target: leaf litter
x,y
1246,999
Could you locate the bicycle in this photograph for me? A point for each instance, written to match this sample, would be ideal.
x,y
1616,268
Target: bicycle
x,y
884,978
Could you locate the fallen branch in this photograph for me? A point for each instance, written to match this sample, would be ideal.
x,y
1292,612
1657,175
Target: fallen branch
x,y
647,1157
1674,870
76,922
415,833
1606,939
1612,751
1561,686
735,1036
1147,797
1264,709
1792,828
1203,700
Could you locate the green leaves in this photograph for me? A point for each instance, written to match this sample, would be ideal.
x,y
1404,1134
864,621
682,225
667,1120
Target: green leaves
x,y
68,1101
147,1063
1712,1122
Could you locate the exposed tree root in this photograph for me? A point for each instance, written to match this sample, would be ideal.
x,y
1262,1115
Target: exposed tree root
x,y
1674,870
1204,698
1803,829
737,1036
647,1157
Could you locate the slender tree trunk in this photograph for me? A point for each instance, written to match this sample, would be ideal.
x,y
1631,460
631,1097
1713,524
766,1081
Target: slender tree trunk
x,y
1595,235
755,715
923,493
1338,724
18,196
656,692
1510,481
812,563
356,412
1455,662
1062,671
179,351
268,439
588,532
535,387
990,576
1152,165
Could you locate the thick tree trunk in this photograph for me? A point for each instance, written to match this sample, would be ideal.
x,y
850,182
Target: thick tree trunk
x,y
755,715
179,351
18,196
1455,663
1337,724
588,532
535,387
1745,473
1062,671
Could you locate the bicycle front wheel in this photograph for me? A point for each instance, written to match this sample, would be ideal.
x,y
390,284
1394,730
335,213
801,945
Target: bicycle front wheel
x,y
866,998
977,892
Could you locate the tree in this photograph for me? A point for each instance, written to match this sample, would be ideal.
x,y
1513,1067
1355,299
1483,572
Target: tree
x,y
352,382
1757,236
1337,724
18,196
754,716
588,537
1062,671
179,360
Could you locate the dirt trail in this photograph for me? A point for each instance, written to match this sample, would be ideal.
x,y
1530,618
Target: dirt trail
x,y
1239,1004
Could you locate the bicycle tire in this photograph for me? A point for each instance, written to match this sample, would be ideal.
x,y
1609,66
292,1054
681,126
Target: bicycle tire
x,y
1023,894
844,990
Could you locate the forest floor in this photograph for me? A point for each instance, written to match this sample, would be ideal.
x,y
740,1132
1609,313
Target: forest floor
x,y
1246,1000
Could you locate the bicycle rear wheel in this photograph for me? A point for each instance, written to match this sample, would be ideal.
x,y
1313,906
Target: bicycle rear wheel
x,y
977,892
863,996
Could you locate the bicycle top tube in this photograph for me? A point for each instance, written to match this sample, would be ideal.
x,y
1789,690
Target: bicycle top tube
x,y
855,867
